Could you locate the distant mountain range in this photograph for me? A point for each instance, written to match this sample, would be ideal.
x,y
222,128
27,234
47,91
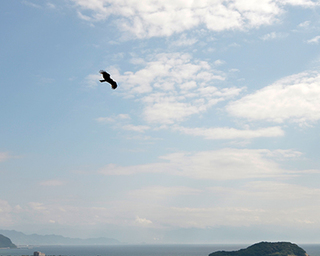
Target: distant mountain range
x,y
20,238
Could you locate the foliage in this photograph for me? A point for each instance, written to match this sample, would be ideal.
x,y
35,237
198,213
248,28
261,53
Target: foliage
x,y
265,249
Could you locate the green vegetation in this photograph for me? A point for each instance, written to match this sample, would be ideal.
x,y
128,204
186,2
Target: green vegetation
x,y
266,249
5,242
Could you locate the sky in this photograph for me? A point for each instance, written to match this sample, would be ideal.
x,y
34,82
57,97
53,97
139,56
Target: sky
x,y
212,135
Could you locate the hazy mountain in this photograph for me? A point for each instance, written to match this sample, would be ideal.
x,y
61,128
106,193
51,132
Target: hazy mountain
x,y
20,238
5,242
266,249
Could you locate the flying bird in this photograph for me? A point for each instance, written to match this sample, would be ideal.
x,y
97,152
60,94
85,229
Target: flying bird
x,y
107,78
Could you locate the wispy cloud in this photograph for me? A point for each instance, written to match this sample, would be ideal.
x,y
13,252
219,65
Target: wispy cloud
x,y
92,80
117,118
254,203
4,156
136,128
224,133
122,121
52,183
32,4
224,164
273,35
161,193
36,206
305,24
6,217
51,6
304,3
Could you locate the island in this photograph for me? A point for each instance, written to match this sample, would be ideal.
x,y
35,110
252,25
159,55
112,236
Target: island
x,y
266,249
5,242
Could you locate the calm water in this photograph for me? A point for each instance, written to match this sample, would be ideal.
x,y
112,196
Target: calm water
x,y
137,250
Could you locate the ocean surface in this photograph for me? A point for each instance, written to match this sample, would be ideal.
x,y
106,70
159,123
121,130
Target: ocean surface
x,y
137,250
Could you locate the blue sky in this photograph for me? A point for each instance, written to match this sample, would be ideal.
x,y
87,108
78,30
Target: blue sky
x,y
211,136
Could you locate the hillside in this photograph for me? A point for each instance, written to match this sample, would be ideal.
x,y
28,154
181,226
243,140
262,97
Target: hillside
x,y
5,242
265,249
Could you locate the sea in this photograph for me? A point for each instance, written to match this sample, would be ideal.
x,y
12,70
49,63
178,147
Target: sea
x,y
138,250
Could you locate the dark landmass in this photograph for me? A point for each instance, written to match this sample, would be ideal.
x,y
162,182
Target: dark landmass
x,y
266,249
5,242
20,238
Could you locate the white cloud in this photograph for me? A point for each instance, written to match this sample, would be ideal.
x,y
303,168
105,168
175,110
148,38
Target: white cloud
x,y
224,164
142,221
51,6
219,62
167,110
231,133
123,116
284,154
113,119
47,5
164,17
31,4
273,35
173,87
136,128
314,40
83,17
305,24
184,41
294,98
165,70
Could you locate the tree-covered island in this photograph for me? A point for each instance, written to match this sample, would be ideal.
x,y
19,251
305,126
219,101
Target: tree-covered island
x,y
266,249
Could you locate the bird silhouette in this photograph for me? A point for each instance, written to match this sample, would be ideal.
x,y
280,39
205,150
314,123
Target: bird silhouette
x,y
107,78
